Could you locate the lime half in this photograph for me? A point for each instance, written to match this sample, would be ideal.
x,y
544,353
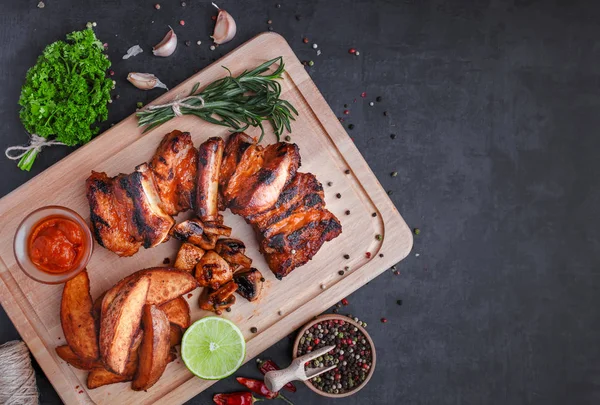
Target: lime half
x,y
213,348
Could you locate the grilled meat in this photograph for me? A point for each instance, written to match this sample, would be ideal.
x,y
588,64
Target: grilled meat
x,y
174,169
255,185
213,271
210,155
111,214
152,223
188,257
250,283
232,155
232,250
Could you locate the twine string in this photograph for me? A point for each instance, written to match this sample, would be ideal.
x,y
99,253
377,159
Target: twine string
x,y
17,380
36,143
178,103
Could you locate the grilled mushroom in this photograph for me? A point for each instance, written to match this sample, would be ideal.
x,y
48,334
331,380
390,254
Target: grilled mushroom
x,y
212,271
250,283
232,250
218,300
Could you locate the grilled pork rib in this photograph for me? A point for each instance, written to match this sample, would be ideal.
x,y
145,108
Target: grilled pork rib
x,y
174,168
210,155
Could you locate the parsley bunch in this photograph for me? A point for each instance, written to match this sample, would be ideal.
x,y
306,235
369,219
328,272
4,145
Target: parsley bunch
x,y
66,93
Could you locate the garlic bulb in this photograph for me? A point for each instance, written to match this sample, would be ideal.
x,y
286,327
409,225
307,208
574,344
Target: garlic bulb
x,y
145,81
225,27
167,46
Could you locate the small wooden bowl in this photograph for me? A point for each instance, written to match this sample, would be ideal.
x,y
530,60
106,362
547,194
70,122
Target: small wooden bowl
x,y
330,317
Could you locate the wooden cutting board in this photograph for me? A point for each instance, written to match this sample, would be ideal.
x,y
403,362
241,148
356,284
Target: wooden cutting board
x,y
326,150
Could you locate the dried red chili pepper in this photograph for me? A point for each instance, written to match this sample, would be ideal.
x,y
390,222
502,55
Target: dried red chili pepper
x,y
260,388
235,398
269,365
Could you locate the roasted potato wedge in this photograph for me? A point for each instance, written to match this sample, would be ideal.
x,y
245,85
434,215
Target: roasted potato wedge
x,y
215,228
188,257
155,348
120,323
232,250
177,311
212,271
101,376
76,317
166,284
175,335
65,353
250,283
210,155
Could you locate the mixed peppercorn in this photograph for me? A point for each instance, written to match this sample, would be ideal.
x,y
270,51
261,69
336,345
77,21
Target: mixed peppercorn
x,y
352,355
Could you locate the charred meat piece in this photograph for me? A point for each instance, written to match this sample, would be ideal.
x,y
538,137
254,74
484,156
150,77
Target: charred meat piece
x,y
188,257
232,156
152,223
189,231
218,300
216,228
111,215
255,186
232,250
250,283
213,271
304,192
174,169
210,155
293,241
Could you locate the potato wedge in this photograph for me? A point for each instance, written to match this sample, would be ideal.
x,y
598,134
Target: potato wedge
x,y
188,257
155,348
76,317
175,335
101,376
212,271
166,284
177,311
65,353
210,155
120,323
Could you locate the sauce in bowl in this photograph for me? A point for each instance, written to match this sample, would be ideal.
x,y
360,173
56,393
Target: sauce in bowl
x,y
56,245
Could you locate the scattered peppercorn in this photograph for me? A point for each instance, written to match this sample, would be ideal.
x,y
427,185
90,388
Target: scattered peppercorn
x,y
166,260
363,94
329,184
394,174
346,112
347,212
335,311
390,192
346,268
111,72
383,320
183,4
374,214
298,17
338,195
385,113
351,126
214,18
341,272
397,272
417,231
198,42
188,43
139,104
368,255
379,237
228,309
357,53
41,4
278,5
270,28
393,136
399,302
378,99
253,329
347,171
351,51
346,256
212,47
380,254
269,22
305,40
157,6
311,63
181,22
371,104
344,301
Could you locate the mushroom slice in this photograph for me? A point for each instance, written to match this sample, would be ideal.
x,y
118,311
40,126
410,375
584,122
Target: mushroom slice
x,y
250,283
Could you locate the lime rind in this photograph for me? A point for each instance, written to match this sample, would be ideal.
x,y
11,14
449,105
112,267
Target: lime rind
x,y
228,344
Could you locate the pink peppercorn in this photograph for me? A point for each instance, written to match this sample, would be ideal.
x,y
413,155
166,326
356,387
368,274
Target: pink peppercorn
x,y
181,22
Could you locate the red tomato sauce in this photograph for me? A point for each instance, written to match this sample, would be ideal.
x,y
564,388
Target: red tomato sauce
x,y
56,245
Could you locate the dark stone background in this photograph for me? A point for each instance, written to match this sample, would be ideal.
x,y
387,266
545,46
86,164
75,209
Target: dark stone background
x,y
496,109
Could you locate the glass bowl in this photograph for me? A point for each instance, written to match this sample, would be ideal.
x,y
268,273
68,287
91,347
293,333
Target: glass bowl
x,y
21,251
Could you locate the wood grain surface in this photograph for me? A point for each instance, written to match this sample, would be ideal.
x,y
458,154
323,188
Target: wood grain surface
x,y
326,151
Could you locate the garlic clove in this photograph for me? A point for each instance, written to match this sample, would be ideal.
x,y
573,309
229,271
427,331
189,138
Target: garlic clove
x,y
145,81
225,28
167,46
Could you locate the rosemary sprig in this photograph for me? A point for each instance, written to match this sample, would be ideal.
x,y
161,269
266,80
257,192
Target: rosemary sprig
x,y
235,102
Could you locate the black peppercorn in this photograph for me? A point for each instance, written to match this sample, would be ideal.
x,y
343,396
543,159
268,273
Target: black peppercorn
x,y
338,195
378,99
346,256
393,136
347,212
341,272
351,126
253,329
